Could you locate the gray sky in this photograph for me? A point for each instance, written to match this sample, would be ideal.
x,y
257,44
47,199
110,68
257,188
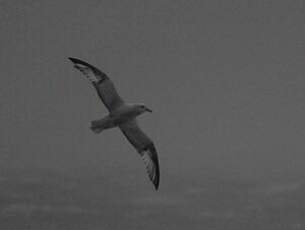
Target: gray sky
x,y
225,80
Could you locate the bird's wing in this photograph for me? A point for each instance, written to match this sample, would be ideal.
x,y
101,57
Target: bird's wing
x,y
101,82
145,147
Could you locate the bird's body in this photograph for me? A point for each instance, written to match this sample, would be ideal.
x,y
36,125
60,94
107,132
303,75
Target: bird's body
x,y
122,115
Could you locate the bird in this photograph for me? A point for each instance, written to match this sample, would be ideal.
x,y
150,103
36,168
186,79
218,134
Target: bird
x,y
122,115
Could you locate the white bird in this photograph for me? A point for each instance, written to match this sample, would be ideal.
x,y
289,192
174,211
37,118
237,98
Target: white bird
x,y
121,115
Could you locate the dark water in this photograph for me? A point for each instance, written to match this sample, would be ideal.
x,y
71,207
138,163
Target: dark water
x,y
42,199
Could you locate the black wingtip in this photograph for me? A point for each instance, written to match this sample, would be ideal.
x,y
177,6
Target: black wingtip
x,y
94,69
156,184
155,159
157,180
77,61
71,59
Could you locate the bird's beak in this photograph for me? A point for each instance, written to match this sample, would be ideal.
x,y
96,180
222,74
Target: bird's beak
x,y
148,110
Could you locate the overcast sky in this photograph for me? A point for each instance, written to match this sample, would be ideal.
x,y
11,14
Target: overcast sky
x,y
225,80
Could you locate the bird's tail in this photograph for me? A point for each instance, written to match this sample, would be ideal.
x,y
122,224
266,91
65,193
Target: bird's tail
x,y
96,127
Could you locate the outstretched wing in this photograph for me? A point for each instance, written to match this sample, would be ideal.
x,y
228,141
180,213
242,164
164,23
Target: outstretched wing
x,y
145,148
103,85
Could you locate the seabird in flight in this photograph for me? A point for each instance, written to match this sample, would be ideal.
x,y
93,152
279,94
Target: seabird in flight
x,y
122,115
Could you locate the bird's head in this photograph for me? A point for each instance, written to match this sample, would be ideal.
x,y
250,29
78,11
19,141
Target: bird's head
x,y
142,108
